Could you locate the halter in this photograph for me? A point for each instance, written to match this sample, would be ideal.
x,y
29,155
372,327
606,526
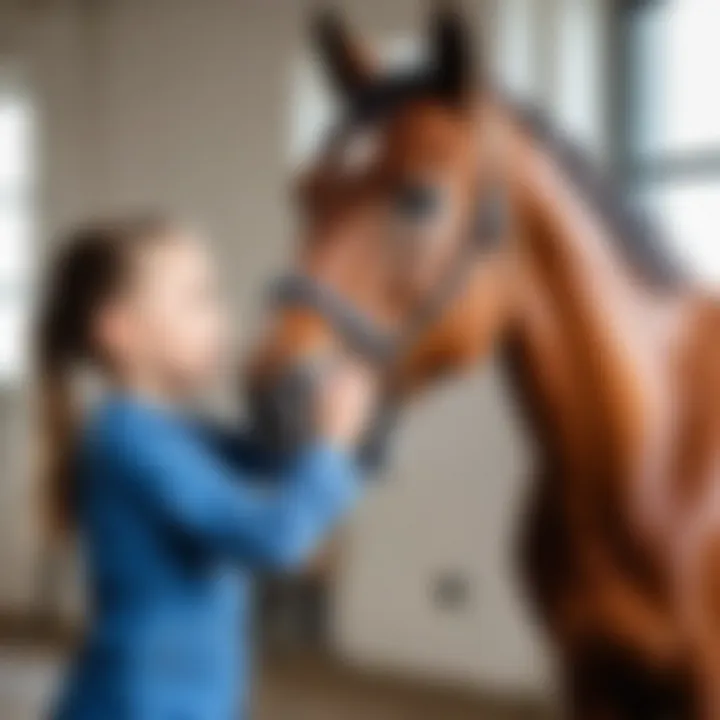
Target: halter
x,y
359,331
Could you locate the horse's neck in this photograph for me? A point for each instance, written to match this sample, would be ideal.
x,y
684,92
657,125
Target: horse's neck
x,y
583,348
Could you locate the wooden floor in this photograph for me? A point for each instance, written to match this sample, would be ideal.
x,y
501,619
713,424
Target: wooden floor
x,y
316,690
301,689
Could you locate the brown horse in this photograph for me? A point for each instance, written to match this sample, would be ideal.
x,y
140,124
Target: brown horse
x,y
440,223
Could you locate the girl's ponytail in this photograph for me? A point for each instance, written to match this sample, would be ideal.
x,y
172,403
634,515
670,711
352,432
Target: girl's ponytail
x,y
90,269
56,433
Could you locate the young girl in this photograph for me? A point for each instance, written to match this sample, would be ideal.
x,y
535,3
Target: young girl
x,y
169,520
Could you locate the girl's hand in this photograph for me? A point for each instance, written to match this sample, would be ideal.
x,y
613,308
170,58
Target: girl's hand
x,y
346,401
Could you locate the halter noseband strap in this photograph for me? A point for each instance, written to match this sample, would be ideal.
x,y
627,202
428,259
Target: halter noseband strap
x,y
355,328
358,330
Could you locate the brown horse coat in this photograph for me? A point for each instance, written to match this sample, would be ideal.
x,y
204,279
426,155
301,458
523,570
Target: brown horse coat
x,y
614,363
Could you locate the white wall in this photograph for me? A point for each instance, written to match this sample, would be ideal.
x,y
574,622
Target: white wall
x,y
185,103
449,505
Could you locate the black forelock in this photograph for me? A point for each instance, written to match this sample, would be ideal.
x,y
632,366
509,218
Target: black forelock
x,y
386,96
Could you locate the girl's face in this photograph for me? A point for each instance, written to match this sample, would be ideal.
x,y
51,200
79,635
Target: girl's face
x,y
169,330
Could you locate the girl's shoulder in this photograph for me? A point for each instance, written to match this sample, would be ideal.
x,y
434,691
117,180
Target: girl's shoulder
x,y
120,426
136,436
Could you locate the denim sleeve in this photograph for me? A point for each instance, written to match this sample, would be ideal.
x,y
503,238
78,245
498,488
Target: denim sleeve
x,y
238,448
199,494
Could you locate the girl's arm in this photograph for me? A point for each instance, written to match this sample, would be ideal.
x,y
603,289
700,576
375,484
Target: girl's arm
x,y
238,448
241,450
198,494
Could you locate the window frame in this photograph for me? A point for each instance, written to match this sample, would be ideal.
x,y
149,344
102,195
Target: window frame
x,y
644,174
16,288
663,166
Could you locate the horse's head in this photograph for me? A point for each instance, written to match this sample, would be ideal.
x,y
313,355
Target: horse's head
x,y
403,258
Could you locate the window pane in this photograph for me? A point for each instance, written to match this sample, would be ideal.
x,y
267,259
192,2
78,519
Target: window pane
x,y
517,68
15,146
578,71
677,46
15,239
690,214
16,217
13,340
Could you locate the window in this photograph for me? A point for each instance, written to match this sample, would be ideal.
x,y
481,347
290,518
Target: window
x,y
551,54
674,128
16,191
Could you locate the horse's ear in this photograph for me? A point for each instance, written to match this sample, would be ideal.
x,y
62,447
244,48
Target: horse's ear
x,y
451,49
349,67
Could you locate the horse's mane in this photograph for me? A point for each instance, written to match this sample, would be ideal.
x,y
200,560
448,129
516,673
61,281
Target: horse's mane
x,y
640,242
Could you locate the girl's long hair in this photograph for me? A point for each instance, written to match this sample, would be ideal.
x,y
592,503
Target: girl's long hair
x,y
91,267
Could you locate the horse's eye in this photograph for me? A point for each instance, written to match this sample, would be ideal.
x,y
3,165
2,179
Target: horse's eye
x,y
417,201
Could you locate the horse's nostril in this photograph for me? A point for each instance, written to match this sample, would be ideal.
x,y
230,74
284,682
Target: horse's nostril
x,y
282,410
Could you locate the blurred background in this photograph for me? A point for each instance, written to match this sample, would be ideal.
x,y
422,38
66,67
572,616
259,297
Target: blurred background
x,y
203,107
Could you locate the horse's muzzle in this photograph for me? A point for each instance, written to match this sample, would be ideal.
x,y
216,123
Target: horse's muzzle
x,y
283,413
283,408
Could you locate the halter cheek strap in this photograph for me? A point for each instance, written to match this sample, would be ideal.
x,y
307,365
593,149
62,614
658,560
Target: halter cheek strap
x,y
491,220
